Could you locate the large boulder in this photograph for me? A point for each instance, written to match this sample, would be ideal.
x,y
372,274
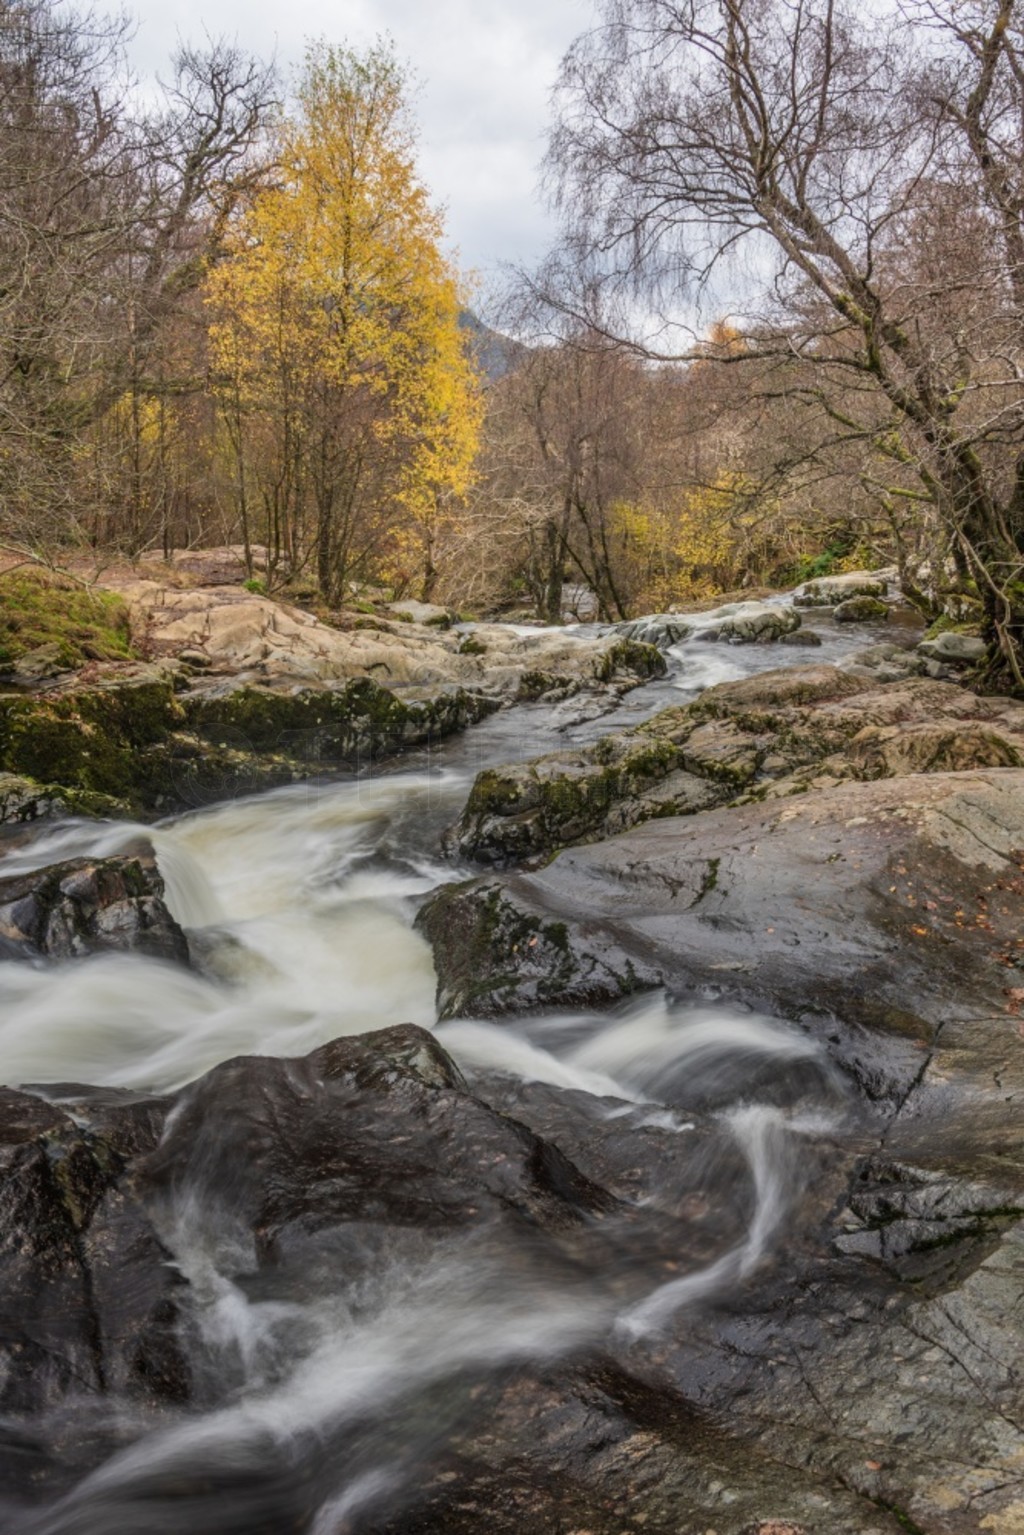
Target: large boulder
x,y
432,1271
747,623
90,1296
830,591
128,1220
893,905
89,906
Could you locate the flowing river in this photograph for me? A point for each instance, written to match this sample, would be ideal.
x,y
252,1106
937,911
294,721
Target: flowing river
x,y
324,1397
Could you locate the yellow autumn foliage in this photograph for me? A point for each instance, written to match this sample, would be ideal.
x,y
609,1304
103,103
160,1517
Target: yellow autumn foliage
x,y
347,392
687,547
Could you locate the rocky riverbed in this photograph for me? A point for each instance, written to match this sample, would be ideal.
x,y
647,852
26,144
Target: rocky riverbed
x,y
693,1201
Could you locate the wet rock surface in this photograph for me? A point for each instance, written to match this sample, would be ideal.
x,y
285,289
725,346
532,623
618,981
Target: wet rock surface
x,y
290,1170
894,905
369,1290
881,1351
772,735
88,906
90,1297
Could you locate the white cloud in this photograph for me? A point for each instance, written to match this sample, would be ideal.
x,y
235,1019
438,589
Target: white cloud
x,y
485,69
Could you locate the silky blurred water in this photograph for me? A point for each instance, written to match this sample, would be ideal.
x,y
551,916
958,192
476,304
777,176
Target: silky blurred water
x,y
300,905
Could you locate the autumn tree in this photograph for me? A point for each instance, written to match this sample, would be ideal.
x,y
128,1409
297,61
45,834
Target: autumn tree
x,y
347,396
863,171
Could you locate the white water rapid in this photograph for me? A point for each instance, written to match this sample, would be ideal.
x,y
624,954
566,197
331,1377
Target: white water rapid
x,y
299,904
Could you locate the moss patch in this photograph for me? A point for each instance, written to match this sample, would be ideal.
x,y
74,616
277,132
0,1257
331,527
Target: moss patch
x,y
86,738
630,656
39,609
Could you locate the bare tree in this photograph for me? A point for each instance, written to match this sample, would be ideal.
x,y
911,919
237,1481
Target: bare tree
x,y
864,171
107,220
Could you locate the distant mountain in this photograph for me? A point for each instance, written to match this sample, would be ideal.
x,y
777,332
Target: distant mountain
x,y
494,354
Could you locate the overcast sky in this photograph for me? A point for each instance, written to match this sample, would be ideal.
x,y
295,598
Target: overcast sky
x,y
485,71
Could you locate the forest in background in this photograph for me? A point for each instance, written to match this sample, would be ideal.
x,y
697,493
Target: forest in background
x,y
228,317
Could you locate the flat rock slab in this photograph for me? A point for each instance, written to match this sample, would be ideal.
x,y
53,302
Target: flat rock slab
x,y
893,906
229,629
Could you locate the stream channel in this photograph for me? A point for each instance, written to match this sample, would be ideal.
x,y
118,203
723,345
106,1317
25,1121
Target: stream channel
x,y
325,1395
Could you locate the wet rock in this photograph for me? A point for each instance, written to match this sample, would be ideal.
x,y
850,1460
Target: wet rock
x,y
495,957
87,906
90,1297
377,1128
300,1174
860,610
954,649
775,734
892,905
829,591
520,810
747,623
594,1451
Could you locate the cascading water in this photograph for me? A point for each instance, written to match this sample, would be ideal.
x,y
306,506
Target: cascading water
x,y
323,1399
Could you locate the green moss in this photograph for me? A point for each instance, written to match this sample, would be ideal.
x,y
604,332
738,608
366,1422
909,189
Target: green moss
x,y
338,721
533,685
945,625
469,645
39,609
709,880
493,794
88,738
630,656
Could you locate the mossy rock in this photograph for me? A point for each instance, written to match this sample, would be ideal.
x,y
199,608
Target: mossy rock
x,y
40,610
861,610
539,684
632,656
532,808
330,725
87,738
22,800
